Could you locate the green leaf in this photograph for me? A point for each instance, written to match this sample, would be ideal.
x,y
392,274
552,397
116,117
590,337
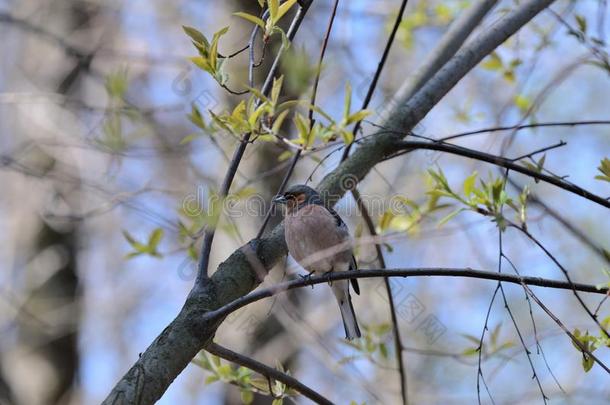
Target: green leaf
x,y
260,384
348,137
469,184
202,63
139,248
187,139
357,116
252,18
283,9
494,334
450,216
224,370
284,155
504,346
214,46
274,6
492,62
276,89
522,102
154,238
129,238
116,84
211,378
277,123
247,397
582,23
541,163
196,35
383,349
347,102
604,169
587,362
471,351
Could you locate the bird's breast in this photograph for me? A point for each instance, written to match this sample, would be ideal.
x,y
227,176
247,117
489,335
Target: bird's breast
x,y
314,239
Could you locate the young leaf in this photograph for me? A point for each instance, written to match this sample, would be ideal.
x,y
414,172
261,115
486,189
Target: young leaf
x,y
450,216
469,184
247,396
252,18
604,169
214,46
358,116
155,238
283,9
347,103
492,62
274,6
196,35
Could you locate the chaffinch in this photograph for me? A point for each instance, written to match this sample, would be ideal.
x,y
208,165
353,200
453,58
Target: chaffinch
x,y
311,231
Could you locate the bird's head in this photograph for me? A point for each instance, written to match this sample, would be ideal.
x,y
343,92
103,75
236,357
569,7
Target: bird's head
x,y
297,196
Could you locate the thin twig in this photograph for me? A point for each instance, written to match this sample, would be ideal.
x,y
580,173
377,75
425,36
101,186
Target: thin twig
x,y
564,271
502,162
539,349
510,312
525,126
572,228
380,66
541,150
565,329
399,272
269,372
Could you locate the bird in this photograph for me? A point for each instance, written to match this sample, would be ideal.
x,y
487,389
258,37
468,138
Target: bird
x,y
311,230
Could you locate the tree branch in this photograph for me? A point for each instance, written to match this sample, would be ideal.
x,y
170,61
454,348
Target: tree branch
x,y
267,371
451,42
571,227
506,163
526,126
402,272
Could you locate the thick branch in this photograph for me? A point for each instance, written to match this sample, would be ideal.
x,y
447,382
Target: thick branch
x,y
451,42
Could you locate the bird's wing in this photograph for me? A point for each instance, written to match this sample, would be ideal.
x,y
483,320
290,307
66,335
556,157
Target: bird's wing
x,y
353,265
338,219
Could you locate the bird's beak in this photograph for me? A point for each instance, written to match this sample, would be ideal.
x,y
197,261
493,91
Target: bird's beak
x,y
280,199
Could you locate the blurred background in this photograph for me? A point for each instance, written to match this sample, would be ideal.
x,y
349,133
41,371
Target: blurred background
x,y
95,145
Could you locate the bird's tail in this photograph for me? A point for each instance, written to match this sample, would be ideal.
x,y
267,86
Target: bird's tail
x,y
349,316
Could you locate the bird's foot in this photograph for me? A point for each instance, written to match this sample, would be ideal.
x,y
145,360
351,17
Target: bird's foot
x,y
327,275
307,277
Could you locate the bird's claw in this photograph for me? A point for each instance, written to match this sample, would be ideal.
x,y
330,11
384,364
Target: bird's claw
x,y
307,277
327,275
